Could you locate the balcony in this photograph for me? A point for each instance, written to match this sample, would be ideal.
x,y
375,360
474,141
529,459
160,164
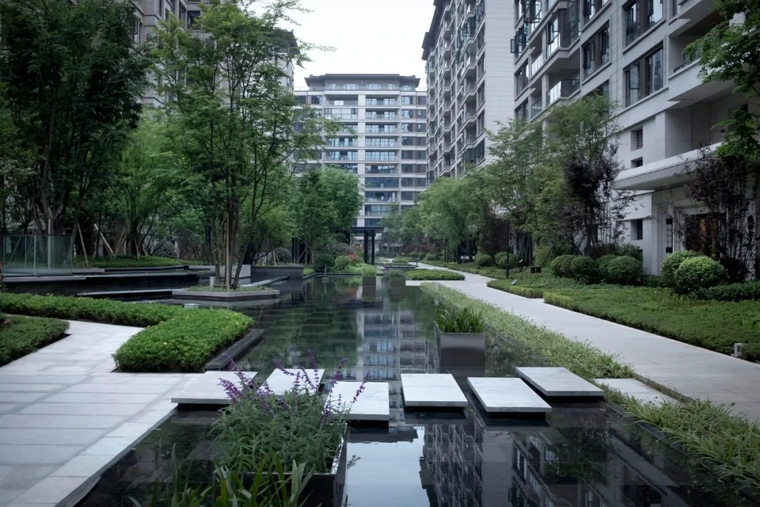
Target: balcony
x,y
685,85
563,90
536,65
536,108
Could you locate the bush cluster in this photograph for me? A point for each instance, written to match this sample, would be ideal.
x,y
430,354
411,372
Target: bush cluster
x,y
561,266
483,260
182,344
23,335
585,270
283,255
624,270
433,274
127,261
621,270
433,257
748,291
323,262
698,273
669,267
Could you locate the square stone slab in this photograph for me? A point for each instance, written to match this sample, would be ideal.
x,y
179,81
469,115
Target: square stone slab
x,y
205,390
558,382
507,395
280,382
432,390
372,405
636,389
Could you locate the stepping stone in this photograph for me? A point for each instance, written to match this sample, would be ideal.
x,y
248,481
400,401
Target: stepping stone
x,y
205,390
558,382
372,405
280,382
507,395
636,389
432,390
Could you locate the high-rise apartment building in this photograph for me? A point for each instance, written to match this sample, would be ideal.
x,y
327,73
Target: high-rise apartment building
x,y
470,81
382,140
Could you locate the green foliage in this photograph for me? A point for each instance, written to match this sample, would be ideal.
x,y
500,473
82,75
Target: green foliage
x,y
471,267
562,266
433,274
625,271
483,260
603,263
128,261
20,335
543,255
585,270
698,273
342,262
93,310
182,344
206,288
402,259
747,291
580,358
282,255
533,285
433,257
669,267
342,190
395,273
501,259
518,290
714,325
654,281
630,250
323,262
459,320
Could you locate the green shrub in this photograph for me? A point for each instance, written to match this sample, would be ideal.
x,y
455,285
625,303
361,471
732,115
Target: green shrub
x,y
736,269
342,262
323,262
669,267
747,291
402,260
631,251
654,281
603,262
625,271
751,351
585,270
459,320
526,292
283,255
562,266
698,273
128,261
182,344
483,260
543,255
395,273
433,274
104,311
22,335
501,259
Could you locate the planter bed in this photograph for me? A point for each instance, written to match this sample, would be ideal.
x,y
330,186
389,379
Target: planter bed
x,y
232,296
236,350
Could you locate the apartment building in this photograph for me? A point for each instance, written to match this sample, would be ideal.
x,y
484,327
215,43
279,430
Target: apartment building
x,y
470,82
631,51
383,136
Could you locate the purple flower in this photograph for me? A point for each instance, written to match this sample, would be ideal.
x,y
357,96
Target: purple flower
x,y
309,382
361,388
282,369
297,382
231,390
338,373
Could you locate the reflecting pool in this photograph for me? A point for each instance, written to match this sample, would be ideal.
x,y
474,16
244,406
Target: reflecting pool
x,y
581,455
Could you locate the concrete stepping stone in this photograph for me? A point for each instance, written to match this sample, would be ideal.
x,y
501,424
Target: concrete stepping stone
x,y
432,390
205,390
280,382
636,389
558,382
372,405
505,395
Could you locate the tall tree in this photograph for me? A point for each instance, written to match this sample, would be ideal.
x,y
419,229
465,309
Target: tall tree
x,y
342,189
314,213
74,77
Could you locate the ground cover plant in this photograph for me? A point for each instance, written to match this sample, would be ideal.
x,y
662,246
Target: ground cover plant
x,y
433,274
459,320
126,261
471,267
243,288
21,335
532,285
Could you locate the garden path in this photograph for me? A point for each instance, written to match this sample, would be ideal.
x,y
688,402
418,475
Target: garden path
x,y
65,415
692,371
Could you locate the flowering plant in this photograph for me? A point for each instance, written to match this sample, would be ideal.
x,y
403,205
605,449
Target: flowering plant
x,y
299,425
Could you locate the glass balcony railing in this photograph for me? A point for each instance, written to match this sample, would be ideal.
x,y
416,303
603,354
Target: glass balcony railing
x,y
535,109
563,89
32,254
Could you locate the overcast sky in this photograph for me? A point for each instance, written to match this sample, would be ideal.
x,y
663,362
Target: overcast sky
x,y
369,36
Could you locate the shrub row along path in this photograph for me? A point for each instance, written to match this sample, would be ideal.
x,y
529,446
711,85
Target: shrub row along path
x,y
692,371
65,415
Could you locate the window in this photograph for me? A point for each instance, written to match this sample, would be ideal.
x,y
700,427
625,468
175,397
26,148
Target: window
x,y
597,51
301,99
408,196
160,7
380,169
341,141
422,155
637,230
407,114
603,89
342,155
407,88
316,100
381,141
380,155
640,16
192,16
374,86
421,127
637,139
637,162
380,182
421,101
407,155
643,77
182,13
406,100
421,114
407,141
521,78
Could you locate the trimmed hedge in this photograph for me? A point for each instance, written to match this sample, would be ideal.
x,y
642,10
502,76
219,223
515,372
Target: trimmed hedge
x,y
127,261
585,270
747,291
483,260
669,267
22,335
698,273
433,274
182,344
625,271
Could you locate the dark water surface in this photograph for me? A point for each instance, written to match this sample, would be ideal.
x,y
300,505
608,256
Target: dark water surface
x,y
581,456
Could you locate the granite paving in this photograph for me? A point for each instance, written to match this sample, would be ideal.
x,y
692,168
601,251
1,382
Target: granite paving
x,y
373,404
691,371
506,395
206,389
438,390
558,382
636,389
282,381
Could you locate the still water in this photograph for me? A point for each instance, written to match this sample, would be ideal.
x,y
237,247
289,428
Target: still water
x,y
581,456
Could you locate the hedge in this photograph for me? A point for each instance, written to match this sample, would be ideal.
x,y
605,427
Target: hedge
x,y
22,335
747,291
126,261
182,344
433,274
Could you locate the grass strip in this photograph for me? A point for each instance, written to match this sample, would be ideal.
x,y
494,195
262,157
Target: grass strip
x,y
126,261
22,335
206,288
433,274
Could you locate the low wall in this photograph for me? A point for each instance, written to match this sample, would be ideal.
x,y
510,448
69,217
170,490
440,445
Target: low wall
x,y
73,285
259,273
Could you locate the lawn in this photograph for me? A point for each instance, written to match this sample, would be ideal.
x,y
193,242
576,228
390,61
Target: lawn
x,y
532,285
22,335
125,261
471,267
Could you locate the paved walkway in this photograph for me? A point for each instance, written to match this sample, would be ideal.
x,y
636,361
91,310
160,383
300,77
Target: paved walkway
x,y
692,371
64,415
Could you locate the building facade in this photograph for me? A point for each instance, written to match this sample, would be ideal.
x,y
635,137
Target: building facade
x,y
633,52
470,82
383,136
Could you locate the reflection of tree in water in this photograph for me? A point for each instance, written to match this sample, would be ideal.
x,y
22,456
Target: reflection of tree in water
x,y
504,355
584,453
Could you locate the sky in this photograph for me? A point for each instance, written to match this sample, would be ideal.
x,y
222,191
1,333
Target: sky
x,y
368,36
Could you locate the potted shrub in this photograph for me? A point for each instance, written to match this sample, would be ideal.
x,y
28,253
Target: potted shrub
x,y
461,341
299,425
397,278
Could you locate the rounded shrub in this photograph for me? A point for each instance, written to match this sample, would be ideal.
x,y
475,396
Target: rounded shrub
x,y
323,262
631,251
698,273
562,266
342,262
501,259
624,270
585,269
602,263
669,267
282,255
483,260
339,248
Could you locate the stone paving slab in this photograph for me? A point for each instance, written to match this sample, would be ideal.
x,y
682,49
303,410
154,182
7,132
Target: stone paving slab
x,y
280,382
507,395
432,390
636,389
372,405
558,382
206,390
